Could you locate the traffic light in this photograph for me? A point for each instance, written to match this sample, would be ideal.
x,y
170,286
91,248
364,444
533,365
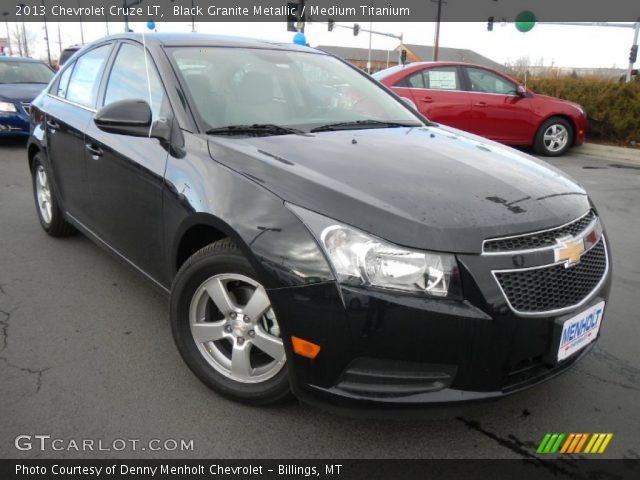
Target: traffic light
x,y
633,54
490,24
330,24
356,29
294,15
403,56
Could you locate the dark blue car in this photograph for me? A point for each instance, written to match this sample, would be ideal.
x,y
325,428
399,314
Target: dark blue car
x,y
21,80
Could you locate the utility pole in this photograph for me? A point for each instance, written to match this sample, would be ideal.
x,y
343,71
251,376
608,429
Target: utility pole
x,y
81,27
193,18
6,24
369,57
59,41
24,40
46,35
436,41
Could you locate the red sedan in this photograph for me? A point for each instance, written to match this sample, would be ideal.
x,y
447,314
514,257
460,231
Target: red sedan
x,y
483,101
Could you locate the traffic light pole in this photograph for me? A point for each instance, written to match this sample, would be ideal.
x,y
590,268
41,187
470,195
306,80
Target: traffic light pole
x,y
371,32
635,26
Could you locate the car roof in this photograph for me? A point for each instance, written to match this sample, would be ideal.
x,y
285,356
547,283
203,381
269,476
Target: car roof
x,y
175,39
20,59
415,65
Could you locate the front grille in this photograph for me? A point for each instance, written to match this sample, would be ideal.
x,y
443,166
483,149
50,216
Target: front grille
x,y
547,238
554,287
26,107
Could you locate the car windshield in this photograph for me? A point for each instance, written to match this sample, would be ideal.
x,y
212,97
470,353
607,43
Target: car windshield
x,y
24,72
302,90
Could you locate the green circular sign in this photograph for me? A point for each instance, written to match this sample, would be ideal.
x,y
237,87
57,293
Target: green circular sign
x,y
525,21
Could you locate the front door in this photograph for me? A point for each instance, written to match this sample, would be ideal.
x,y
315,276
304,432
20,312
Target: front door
x,y
126,174
499,113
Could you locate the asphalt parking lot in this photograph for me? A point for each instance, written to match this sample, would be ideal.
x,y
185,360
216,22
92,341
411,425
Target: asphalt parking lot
x,y
86,353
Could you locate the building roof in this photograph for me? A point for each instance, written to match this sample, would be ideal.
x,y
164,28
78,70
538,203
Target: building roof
x,y
352,53
447,54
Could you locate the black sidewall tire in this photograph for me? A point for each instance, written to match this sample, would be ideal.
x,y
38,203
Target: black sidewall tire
x,y
220,257
58,226
539,145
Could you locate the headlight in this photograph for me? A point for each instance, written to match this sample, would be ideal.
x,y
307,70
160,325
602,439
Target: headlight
x,y
361,259
7,107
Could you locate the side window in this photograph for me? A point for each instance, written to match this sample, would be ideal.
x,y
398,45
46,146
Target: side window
x,y
60,87
128,79
414,80
488,82
443,78
85,79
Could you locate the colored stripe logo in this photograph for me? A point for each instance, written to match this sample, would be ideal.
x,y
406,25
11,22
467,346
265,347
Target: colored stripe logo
x,y
573,443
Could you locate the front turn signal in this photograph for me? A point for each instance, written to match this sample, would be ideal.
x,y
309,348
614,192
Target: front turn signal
x,y
304,348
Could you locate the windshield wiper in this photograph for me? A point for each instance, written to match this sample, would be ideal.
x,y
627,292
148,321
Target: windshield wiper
x,y
255,129
362,124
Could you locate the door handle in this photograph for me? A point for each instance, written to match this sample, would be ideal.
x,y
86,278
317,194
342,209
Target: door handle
x,y
427,99
53,125
480,104
95,151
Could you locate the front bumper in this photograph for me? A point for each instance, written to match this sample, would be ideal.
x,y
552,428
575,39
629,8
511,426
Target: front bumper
x,y
14,124
382,350
581,130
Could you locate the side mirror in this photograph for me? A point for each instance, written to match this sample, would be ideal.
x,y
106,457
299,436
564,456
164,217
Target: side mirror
x,y
521,90
126,117
409,102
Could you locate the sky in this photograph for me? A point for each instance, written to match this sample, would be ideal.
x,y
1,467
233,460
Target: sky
x,y
557,45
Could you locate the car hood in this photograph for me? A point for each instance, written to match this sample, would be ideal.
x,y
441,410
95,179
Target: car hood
x,y
556,101
21,92
431,188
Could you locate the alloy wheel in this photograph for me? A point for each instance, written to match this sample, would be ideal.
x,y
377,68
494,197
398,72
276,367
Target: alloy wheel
x,y
43,193
555,137
235,329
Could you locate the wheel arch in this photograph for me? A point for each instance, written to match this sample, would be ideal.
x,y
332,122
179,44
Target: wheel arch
x,y
200,230
32,150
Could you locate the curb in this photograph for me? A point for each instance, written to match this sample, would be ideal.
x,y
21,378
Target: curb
x,y
609,153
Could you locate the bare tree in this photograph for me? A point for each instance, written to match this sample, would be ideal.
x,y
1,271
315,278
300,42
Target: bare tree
x,y
23,39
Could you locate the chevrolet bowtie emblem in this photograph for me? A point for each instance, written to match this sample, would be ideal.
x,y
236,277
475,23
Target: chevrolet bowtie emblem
x,y
569,250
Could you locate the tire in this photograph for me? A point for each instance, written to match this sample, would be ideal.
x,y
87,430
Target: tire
x,y
47,207
554,137
218,339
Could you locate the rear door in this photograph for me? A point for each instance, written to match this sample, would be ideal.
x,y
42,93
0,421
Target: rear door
x,y
69,110
499,113
439,95
126,174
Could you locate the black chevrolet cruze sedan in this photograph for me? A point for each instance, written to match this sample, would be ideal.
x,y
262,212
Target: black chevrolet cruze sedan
x,y
316,234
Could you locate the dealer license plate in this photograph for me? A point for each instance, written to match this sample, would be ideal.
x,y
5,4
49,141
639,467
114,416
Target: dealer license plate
x,y
580,330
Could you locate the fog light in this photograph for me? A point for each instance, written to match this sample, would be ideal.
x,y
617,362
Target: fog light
x,y
304,348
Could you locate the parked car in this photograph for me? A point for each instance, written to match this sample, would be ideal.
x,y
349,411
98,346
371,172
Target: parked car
x,y
21,80
67,53
344,249
486,102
